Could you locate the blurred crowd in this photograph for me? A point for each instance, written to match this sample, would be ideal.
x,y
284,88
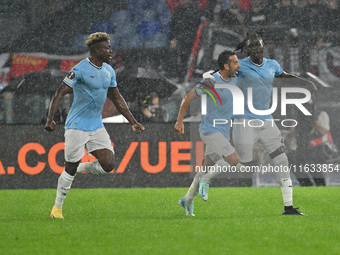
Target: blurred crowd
x,y
314,16
309,23
160,34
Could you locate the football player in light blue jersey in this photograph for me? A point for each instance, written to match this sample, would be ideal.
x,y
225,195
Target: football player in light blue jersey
x,y
91,81
219,151
260,79
258,73
90,85
215,109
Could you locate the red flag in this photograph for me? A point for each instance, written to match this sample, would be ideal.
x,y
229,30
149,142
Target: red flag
x,y
245,5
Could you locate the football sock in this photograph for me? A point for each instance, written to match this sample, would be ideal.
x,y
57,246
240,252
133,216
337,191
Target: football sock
x,y
64,185
284,179
219,168
287,191
238,167
93,167
193,189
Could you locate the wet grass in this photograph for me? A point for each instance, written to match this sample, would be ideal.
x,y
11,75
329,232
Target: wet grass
x,y
149,221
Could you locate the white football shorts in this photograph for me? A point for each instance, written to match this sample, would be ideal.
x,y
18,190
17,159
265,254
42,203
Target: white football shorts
x,y
217,146
266,134
77,140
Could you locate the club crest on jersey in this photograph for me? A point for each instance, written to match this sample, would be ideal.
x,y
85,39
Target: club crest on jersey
x,y
269,70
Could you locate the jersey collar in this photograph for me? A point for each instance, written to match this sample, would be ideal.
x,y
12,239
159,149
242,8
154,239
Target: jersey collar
x,y
254,63
98,67
223,78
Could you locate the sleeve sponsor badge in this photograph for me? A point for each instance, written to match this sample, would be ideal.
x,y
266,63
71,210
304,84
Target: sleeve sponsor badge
x,y
71,75
68,79
199,89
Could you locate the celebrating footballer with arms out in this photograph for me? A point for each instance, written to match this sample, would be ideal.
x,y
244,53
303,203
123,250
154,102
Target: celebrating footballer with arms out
x,y
258,73
92,80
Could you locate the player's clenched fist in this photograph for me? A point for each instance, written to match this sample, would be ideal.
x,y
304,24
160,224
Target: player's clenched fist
x,y
138,128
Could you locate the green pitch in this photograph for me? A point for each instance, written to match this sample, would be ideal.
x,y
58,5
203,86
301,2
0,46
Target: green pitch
x,y
149,221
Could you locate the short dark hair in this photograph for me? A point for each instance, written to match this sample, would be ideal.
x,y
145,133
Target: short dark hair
x,y
224,58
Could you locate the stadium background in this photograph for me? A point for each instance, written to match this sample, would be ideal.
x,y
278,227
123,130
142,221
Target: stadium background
x,y
38,35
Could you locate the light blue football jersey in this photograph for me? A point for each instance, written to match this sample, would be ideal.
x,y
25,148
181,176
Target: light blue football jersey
x,y
260,79
90,85
217,111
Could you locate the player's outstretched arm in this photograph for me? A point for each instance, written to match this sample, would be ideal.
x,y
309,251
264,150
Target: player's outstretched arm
x,y
179,126
297,81
119,102
61,91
